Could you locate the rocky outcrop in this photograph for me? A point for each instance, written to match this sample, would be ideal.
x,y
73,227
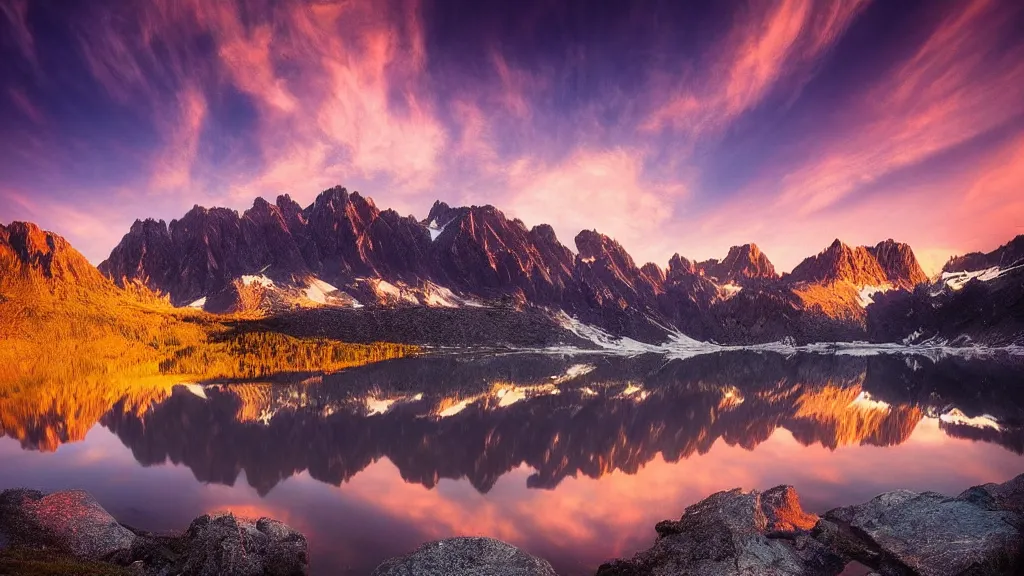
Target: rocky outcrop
x,y
455,556
71,521
927,534
735,533
728,533
225,544
1008,496
74,524
900,532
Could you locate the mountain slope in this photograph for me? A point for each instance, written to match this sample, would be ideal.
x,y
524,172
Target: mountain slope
x,y
742,264
1006,256
29,255
343,244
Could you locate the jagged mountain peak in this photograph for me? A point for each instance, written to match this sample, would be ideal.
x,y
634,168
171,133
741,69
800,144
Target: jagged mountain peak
x,y
654,273
544,232
889,263
440,213
1005,256
839,263
479,253
593,244
29,252
742,264
899,263
679,266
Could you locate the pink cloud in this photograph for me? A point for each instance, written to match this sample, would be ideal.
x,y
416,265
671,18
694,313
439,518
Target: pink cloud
x,y
768,42
26,106
89,231
15,13
949,91
173,166
248,60
605,190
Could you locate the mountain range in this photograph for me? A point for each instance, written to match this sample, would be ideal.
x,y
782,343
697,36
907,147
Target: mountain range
x,y
345,253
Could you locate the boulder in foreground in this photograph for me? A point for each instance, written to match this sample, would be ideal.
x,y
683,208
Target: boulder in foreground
x,y
71,521
928,534
735,533
64,526
456,556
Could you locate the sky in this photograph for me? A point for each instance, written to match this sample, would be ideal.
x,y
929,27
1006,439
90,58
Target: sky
x,y
671,126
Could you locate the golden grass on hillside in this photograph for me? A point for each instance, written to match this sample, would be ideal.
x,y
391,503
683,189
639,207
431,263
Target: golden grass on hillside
x,y
133,333
258,354
69,355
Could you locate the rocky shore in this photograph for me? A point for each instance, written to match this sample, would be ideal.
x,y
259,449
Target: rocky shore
x,y
730,533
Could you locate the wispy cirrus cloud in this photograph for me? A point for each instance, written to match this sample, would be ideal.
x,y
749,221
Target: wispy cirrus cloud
x,y
173,166
957,85
603,190
769,42
670,128
14,19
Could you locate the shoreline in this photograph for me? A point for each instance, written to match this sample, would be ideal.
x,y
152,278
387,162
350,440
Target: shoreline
x,y
980,531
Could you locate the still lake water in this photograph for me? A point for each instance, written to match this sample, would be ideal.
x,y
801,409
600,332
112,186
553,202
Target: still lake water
x,y
573,459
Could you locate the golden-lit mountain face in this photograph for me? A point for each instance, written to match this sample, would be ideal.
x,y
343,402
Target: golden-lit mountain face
x,y
75,346
44,260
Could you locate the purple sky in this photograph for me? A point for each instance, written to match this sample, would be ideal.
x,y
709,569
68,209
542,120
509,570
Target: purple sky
x,y
671,126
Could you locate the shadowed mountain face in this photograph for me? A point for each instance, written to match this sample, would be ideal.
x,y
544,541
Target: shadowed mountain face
x,y
479,254
481,417
741,265
1006,256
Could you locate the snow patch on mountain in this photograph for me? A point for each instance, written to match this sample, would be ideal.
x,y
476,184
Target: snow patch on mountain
x,y
508,397
573,372
194,389
259,280
957,280
198,303
376,405
956,416
434,229
318,291
864,401
680,346
440,297
865,295
731,289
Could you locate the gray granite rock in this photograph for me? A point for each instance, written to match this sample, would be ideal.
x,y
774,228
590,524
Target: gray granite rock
x,y
735,533
231,546
925,533
1007,496
71,520
465,557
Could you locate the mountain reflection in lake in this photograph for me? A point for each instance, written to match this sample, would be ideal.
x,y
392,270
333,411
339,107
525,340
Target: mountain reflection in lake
x,y
572,458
